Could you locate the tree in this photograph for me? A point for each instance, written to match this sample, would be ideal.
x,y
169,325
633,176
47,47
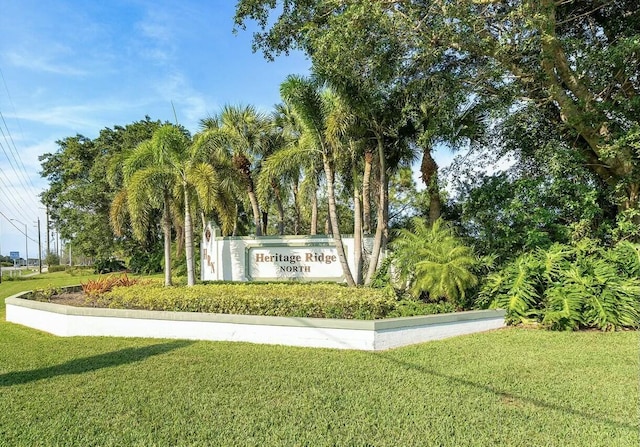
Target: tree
x,y
79,192
581,58
314,108
293,163
355,47
239,133
168,170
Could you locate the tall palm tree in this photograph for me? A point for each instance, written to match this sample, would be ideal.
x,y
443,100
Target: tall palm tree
x,y
314,106
295,162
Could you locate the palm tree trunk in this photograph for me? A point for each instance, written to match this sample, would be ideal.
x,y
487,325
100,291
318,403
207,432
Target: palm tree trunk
x,y
188,239
280,208
429,174
265,222
256,210
314,214
243,166
380,241
235,223
166,228
435,203
296,208
335,227
357,234
366,192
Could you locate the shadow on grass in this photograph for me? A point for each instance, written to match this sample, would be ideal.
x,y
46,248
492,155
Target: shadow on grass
x,y
507,396
93,363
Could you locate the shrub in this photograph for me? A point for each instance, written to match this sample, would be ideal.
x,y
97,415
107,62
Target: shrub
x,y
100,286
56,268
109,265
413,308
147,263
79,270
570,287
52,259
292,300
432,260
45,294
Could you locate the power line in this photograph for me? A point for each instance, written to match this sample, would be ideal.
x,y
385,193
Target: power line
x,y
17,228
17,207
15,160
14,152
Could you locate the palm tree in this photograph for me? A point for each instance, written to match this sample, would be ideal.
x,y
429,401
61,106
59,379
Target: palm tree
x,y
431,259
163,172
313,106
296,162
238,134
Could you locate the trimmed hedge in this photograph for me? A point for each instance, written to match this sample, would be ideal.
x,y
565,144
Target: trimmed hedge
x,y
292,300
318,300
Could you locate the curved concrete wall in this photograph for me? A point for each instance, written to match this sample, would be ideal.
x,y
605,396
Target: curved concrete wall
x,y
369,335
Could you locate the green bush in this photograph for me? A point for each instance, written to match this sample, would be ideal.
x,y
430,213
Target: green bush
x,y
109,265
147,263
570,287
277,299
52,259
79,270
432,261
56,268
413,308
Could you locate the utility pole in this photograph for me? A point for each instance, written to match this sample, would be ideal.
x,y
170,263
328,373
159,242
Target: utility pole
x,y
0,253
48,228
26,242
39,248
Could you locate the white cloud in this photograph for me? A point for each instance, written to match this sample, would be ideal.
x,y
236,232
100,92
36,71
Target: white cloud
x,y
190,105
43,63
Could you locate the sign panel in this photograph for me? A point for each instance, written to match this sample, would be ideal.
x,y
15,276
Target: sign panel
x,y
14,255
291,262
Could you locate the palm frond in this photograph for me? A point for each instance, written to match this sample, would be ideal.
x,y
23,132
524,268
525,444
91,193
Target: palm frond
x,y
118,212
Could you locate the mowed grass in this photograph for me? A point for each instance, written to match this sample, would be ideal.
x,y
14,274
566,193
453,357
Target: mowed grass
x,y
512,387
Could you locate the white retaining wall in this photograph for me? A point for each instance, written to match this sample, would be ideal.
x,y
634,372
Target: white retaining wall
x,y
365,335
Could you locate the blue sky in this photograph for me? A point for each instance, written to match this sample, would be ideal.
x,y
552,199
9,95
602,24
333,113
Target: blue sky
x,y
75,66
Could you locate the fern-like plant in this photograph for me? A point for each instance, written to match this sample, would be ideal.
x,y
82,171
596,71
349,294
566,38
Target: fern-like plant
x,y
431,259
570,287
515,289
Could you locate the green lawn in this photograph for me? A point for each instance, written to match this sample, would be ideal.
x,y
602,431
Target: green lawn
x,y
509,387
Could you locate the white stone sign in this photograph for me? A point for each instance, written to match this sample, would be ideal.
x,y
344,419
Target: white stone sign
x,y
291,262
269,258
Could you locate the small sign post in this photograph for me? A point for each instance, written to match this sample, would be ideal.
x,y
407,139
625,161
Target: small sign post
x,y
15,255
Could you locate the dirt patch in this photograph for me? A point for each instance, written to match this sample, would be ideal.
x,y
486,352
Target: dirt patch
x,y
76,299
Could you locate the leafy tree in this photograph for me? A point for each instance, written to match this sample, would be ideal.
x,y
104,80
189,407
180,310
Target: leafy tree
x,y
580,59
79,192
544,195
